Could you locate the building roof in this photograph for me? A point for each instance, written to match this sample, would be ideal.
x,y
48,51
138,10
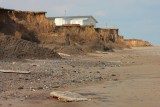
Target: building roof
x,y
75,17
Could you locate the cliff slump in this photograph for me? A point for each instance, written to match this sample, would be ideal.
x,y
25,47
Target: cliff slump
x,y
136,43
24,24
13,48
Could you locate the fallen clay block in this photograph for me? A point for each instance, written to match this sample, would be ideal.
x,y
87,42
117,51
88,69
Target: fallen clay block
x,y
68,96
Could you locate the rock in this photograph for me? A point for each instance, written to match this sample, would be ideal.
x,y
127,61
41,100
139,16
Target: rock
x,y
99,78
40,88
15,71
55,86
113,75
98,72
67,96
73,66
115,79
21,87
74,71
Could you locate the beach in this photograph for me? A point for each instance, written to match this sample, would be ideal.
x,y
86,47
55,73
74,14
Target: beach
x,y
124,78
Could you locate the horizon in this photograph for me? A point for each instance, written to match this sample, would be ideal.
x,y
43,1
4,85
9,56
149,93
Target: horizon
x,y
135,19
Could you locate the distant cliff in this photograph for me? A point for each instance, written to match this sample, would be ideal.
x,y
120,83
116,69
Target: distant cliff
x,y
137,43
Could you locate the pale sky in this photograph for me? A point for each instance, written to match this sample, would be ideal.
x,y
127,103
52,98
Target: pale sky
x,y
136,19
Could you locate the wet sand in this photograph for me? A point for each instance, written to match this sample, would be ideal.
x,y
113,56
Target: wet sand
x,y
134,84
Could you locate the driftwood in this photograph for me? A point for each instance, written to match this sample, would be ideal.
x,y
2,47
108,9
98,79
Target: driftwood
x,y
15,71
67,96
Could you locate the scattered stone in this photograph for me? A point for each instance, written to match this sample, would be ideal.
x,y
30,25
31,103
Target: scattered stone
x,y
13,63
63,54
73,66
35,65
10,105
113,75
39,88
115,79
102,68
55,86
77,81
74,71
15,71
26,79
99,78
21,87
98,72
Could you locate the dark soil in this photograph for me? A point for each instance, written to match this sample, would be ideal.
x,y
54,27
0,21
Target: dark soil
x,y
12,48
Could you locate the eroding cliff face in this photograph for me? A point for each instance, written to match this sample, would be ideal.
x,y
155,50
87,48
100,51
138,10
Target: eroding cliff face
x,y
79,34
83,39
24,24
108,34
84,36
137,43
35,27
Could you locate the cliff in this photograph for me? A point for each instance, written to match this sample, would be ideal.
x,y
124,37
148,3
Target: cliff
x,y
90,37
109,34
35,27
136,43
24,24
76,39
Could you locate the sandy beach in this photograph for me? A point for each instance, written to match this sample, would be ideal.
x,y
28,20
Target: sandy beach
x,y
124,78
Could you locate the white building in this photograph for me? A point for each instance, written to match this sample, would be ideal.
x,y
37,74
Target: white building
x,y
74,20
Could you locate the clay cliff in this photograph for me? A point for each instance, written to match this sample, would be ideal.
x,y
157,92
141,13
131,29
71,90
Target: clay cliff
x,y
19,32
136,43
85,38
35,27
24,24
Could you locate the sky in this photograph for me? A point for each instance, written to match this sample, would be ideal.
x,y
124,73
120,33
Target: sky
x,y
135,19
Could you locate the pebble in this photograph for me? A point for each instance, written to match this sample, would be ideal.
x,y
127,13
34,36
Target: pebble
x,y
40,88
55,86
113,75
115,79
21,87
98,72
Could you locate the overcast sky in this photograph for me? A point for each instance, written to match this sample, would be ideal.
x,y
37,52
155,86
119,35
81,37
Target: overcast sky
x,y
136,19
